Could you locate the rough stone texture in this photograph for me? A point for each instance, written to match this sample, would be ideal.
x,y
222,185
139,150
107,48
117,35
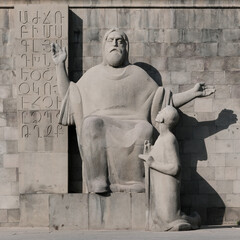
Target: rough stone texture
x,y
34,210
112,212
68,211
37,99
44,176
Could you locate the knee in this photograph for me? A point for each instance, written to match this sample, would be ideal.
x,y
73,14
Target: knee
x,y
93,125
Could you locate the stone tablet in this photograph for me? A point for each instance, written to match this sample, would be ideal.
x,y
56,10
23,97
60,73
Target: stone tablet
x,y
38,101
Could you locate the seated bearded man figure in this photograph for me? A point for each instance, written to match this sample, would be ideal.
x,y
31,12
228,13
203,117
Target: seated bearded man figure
x,y
110,105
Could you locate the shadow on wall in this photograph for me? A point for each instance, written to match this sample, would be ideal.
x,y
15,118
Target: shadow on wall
x,y
196,193
75,68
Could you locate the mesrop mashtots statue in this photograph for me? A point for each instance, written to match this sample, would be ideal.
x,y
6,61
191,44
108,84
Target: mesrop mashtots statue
x,y
110,106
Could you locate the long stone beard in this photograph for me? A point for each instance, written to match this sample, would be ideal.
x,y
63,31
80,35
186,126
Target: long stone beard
x,y
115,59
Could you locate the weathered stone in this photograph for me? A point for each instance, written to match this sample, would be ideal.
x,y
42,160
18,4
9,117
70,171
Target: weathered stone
x,y
3,216
9,202
43,173
13,215
68,211
8,175
10,161
232,214
203,105
112,212
34,210
138,210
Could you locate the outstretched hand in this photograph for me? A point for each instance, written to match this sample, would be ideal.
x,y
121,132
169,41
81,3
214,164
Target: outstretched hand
x,y
201,90
59,54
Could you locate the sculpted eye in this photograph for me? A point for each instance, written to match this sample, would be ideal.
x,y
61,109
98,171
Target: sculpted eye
x,y
109,39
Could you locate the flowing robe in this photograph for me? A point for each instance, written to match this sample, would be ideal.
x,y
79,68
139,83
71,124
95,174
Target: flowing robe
x,y
124,102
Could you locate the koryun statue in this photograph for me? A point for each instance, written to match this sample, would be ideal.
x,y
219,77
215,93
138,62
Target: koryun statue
x,y
110,106
163,178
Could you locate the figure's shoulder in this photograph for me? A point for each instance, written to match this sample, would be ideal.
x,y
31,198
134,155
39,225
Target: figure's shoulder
x,y
141,74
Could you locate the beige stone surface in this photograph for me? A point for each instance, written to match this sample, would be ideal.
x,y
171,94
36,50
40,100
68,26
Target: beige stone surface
x,y
43,173
113,212
68,211
34,210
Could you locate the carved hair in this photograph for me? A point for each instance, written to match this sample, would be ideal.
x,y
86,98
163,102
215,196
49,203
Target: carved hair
x,y
125,38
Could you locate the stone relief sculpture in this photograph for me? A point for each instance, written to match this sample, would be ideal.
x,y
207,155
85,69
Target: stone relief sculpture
x,y
110,106
163,178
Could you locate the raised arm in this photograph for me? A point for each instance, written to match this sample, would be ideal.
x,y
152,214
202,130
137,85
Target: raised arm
x,y
59,56
199,90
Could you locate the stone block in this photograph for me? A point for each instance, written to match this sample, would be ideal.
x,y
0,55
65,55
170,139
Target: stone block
x,y
34,210
224,146
230,173
206,77
181,18
176,64
68,211
159,63
195,64
219,173
43,173
153,18
13,215
229,49
207,49
8,225
9,202
203,105
138,210
140,35
232,63
5,189
219,77
232,78
11,118
10,161
236,186
211,35
223,91
232,200
171,35
3,121
231,35
12,146
11,133
5,91
216,159
180,78
112,212
3,147
191,35
8,175
235,93
9,105
214,64
3,216
232,214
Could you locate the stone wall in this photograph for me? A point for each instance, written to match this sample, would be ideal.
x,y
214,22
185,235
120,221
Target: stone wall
x,y
9,187
177,47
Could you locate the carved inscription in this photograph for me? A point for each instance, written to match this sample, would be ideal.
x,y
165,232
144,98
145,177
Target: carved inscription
x,y
40,124
36,80
38,101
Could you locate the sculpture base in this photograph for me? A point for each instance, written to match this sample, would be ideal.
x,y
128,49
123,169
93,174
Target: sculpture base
x,y
123,211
